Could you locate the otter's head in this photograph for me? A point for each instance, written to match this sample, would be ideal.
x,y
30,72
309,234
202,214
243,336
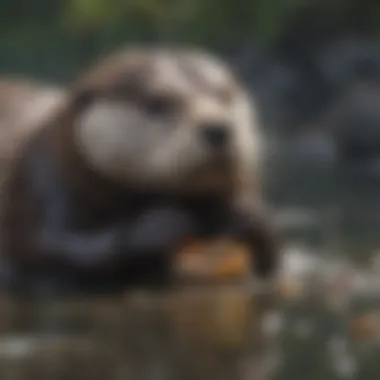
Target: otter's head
x,y
168,119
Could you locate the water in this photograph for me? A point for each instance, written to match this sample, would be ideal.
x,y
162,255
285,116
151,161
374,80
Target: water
x,y
331,327
325,324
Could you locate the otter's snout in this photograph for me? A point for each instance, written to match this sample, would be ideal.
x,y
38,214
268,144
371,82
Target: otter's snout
x,y
215,134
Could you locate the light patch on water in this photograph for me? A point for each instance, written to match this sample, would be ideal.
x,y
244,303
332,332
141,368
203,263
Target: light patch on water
x,y
299,261
337,279
365,284
303,329
343,362
294,218
345,366
273,323
17,347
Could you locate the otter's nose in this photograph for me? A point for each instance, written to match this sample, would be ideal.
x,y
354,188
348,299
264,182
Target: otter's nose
x,y
215,134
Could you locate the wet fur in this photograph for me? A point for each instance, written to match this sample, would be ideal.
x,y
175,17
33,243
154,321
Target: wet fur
x,y
72,225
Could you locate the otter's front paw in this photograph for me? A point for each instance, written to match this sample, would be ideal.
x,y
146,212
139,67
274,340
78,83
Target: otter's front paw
x,y
256,228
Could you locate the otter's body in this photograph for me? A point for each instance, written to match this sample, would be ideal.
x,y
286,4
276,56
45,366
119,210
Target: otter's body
x,y
151,147
24,105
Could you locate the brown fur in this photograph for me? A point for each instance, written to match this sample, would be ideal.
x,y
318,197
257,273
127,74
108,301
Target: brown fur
x,y
96,201
23,106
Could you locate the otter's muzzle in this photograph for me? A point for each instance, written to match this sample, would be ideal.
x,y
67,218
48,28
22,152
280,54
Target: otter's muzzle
x,y
215,134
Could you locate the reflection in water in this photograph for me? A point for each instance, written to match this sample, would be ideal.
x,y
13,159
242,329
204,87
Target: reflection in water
x,y
184,334
331,282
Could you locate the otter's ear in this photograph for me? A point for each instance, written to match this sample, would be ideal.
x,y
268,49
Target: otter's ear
x,y
82,99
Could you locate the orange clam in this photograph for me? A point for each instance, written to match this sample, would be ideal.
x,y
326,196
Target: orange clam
x,y
214,259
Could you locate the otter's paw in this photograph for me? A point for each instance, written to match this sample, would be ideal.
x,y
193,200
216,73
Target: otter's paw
x,y
260,234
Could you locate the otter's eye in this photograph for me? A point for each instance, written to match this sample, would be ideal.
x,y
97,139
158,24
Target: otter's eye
x,y
160,105
83,99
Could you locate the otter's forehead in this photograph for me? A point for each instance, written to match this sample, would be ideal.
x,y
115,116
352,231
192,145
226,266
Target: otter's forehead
x,y
166,70
191,71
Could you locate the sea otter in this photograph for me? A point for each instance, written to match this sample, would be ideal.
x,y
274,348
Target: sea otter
x,y
151,146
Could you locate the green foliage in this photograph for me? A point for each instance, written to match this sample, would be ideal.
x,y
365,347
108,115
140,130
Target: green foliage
x,y
56,37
